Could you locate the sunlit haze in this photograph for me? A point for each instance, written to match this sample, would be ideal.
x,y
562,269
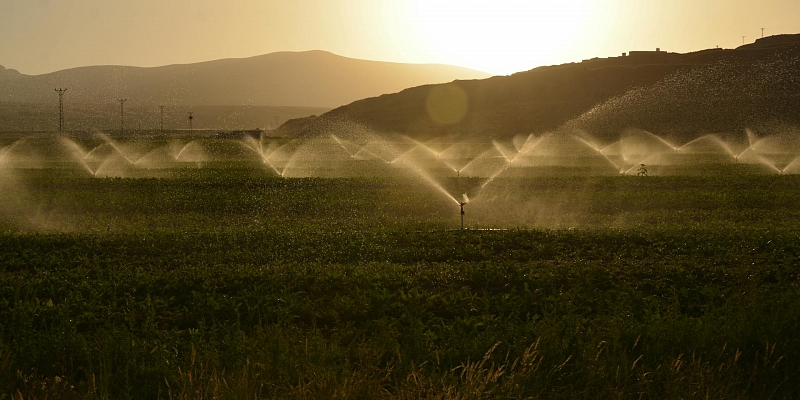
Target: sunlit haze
x,y
495,36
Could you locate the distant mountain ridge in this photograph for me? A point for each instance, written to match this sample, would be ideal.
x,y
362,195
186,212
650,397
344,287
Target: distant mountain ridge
x,y
677,95
299,79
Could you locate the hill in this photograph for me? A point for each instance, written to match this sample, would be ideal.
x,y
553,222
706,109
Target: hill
x,y
310,82
304,79
676,95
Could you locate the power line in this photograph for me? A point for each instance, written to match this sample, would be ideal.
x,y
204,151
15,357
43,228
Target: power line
x,y
162,119
61,109
122,115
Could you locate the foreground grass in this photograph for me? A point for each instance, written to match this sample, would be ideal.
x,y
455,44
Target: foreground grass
x,y
319,298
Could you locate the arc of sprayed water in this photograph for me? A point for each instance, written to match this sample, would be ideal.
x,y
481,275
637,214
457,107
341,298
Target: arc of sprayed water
x,y
526,142
116,148
339,142
96,148
296,158
246,143
424,175
74,147
503,151
273,167
288,164
753,141
417,144
361,149
714,138
528,147
372,154
481,157
257,146
391,151
428,148
525,149
81,153
101,166
450,148
795,161
662,140
469,150
448,161
403,155
183,149
604,150
756,156
7,149
435,154
764,161
613,164
263,154
89,169
752,138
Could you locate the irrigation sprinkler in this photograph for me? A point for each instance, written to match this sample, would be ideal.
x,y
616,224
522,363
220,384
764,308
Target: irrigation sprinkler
x,y
461,204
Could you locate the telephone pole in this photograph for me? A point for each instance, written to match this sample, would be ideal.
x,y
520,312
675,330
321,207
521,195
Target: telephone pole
x,y
122,115
743,39
762,33
190,120
61,109
162,119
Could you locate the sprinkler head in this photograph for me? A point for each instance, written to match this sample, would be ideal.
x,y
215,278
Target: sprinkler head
x,y
461,204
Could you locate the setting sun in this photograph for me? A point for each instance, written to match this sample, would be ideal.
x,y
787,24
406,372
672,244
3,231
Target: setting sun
x,y
497,36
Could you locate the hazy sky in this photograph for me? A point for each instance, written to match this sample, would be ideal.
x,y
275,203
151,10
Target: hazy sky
x,y
496,36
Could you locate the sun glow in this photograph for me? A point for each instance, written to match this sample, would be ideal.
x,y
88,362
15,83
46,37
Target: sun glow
x,y
499,36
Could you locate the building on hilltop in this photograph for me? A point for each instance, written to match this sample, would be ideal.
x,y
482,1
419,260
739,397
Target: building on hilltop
x,y
639,53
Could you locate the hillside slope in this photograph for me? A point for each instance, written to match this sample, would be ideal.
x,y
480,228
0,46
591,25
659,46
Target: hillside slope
x,y
679,95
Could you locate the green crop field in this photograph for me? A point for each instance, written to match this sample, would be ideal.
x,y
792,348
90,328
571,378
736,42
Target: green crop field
x,y
220,279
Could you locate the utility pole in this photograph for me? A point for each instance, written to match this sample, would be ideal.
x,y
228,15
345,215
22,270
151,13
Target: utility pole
x,y
61,109
161,130
190,120
762,33
743,39
122,115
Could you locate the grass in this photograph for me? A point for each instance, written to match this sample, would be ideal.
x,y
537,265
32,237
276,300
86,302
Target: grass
x,y
228,283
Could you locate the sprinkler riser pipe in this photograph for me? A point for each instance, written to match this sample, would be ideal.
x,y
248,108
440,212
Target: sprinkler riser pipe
x,y
462,214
